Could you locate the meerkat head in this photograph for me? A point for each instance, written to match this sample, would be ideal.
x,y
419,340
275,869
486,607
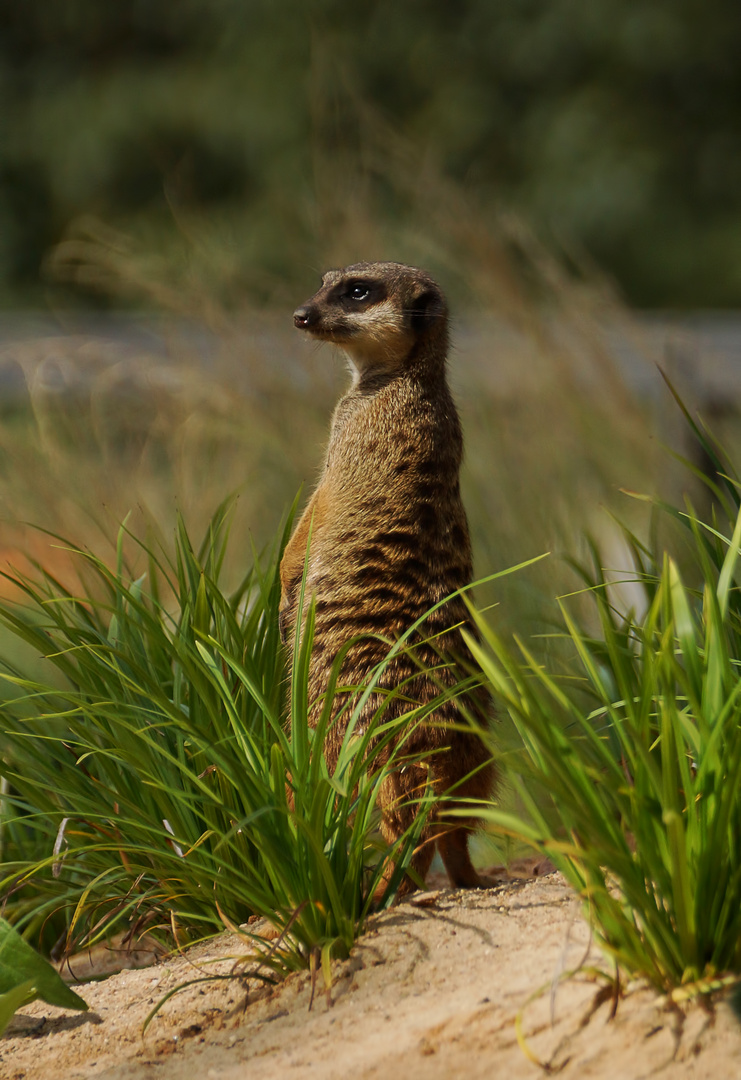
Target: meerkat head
x,y
379,313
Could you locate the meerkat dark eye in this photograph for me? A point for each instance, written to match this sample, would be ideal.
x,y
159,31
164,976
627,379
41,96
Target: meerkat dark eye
x,y
358,291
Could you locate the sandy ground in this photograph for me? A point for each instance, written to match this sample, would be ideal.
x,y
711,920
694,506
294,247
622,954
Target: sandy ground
x,y
431,992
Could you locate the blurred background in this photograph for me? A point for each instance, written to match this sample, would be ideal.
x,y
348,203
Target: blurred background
x,y
175,177
258,128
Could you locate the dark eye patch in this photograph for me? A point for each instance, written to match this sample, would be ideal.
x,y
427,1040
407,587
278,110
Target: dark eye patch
x,y
358,291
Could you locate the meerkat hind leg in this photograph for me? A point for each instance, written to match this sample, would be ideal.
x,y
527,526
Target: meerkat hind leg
x,y
453,847
398,810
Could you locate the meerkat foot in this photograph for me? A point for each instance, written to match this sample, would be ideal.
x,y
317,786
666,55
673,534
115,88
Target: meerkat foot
x,y
453,847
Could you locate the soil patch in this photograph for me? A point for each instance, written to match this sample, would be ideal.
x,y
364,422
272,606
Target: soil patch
x,y
431,992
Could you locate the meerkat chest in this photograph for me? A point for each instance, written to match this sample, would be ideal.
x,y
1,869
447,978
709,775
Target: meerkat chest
x,y
392,492
379,439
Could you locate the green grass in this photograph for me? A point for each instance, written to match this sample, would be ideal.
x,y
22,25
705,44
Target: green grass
x,y
154,779
638,749
150,782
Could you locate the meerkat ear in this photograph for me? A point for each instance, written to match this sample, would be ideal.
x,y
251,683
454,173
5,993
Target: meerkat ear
x,y
425,309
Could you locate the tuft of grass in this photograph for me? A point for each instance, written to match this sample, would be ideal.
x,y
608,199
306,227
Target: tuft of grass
x,y
155,780
639,752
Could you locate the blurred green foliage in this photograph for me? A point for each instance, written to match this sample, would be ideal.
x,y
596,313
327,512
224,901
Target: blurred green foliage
x,y
612,126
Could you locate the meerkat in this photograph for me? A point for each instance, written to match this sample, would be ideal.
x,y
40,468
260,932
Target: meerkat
x,y
388,539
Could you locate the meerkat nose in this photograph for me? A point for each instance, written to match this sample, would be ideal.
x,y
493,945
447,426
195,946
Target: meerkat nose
x,y
303,317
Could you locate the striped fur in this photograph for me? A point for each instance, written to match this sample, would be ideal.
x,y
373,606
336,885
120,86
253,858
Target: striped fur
x,y
389,536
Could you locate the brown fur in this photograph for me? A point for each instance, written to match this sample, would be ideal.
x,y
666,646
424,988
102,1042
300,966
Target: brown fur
x,y
389,536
